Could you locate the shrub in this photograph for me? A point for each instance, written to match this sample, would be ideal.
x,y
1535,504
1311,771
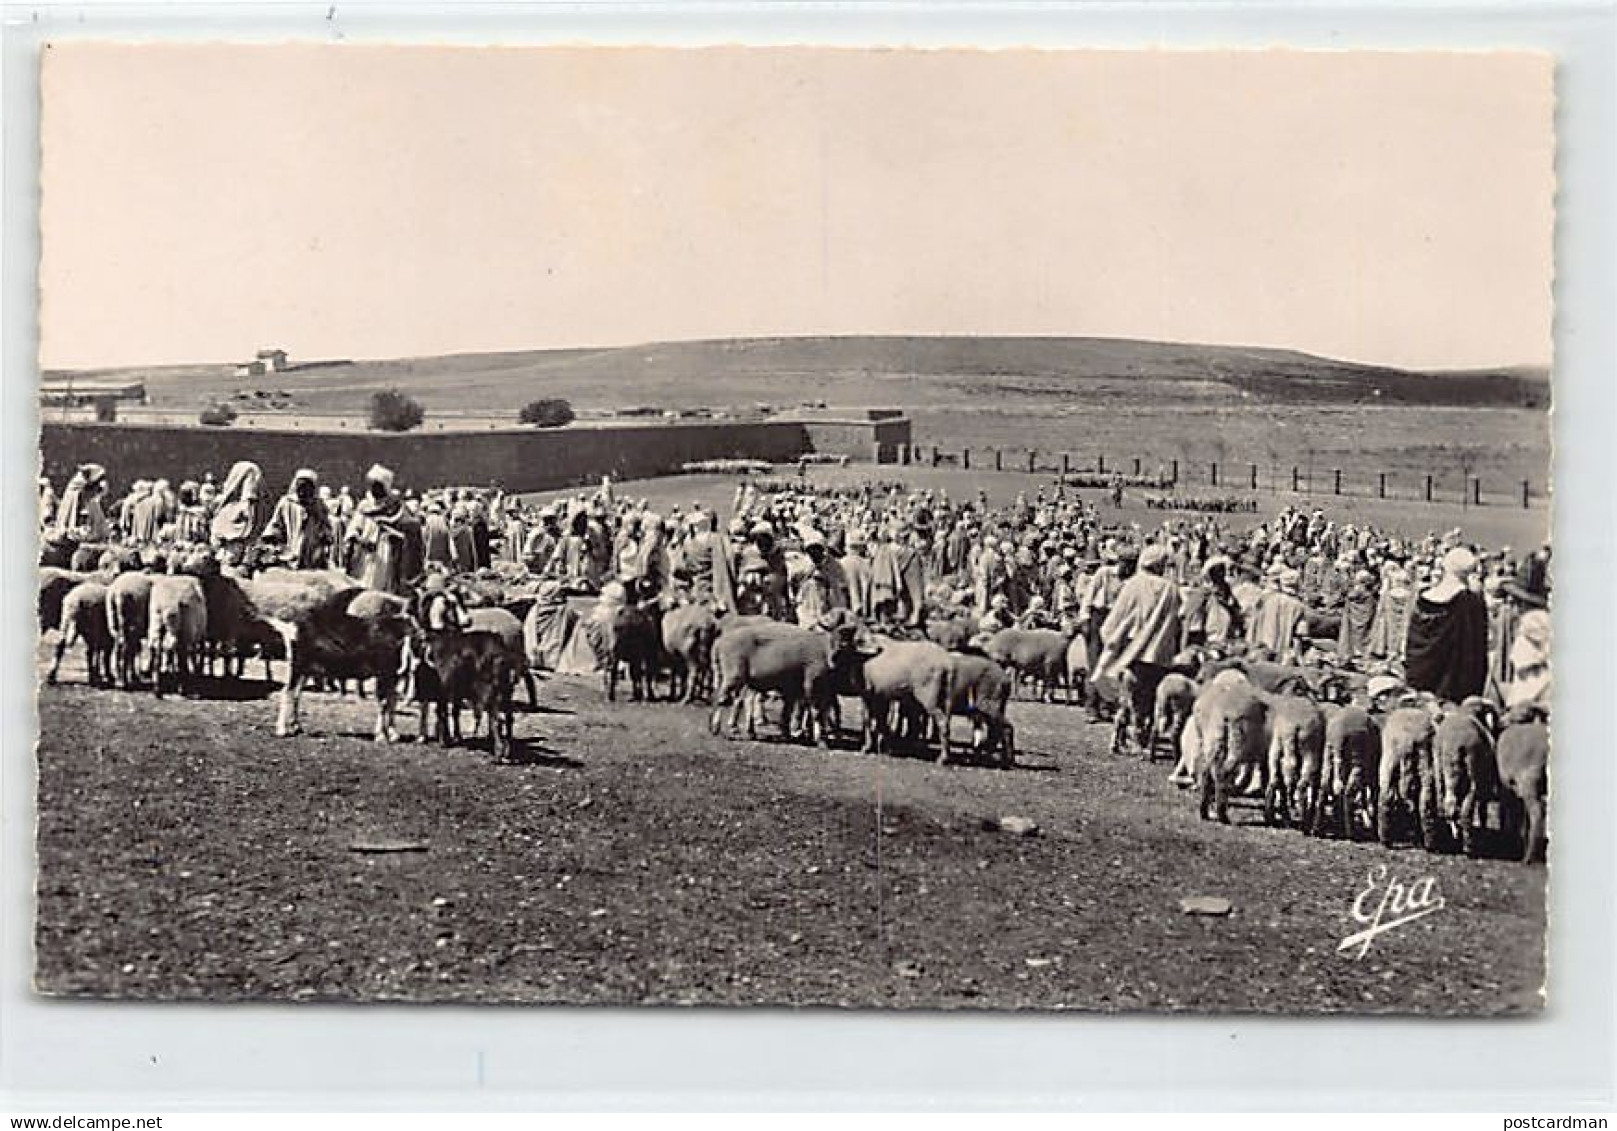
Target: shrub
x,y
392,411
547,413
217,415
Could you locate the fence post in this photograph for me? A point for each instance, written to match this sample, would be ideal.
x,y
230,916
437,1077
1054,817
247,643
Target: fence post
x,y
1336,484
1381,484
1476,490
1176,472
999,460
1066,462
1428,488
965,459
1136,465
1294,479
1525,489
1252,475
1213,472
1032,456
1100,463
934,455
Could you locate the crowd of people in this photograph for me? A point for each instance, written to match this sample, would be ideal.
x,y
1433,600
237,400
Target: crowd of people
x,y
1441,613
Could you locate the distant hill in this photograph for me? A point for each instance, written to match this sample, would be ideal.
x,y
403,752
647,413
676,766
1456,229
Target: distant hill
x,y
898,370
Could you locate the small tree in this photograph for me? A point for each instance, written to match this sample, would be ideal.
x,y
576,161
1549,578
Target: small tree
x,y
392,411
547,413
217,415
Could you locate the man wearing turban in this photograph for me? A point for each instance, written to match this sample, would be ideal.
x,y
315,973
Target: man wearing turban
x,y
300,525
378,534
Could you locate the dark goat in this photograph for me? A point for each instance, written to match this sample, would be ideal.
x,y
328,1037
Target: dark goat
x,y
480,668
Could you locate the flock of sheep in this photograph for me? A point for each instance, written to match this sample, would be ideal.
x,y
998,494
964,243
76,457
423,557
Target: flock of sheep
x,y
1323,750
738,661
1388,761
168,621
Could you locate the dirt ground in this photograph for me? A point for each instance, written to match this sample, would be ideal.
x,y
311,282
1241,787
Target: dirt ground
x,y
631,857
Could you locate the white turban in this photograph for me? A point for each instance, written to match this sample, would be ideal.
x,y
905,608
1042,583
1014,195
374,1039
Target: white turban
x,y
1459,562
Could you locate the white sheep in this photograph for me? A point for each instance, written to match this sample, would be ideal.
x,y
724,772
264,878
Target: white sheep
x,y
177,630
1406,779
1524,755
1232,724
1348,779
1296,755
1465,773
84,617
55,584
128,604
1175,700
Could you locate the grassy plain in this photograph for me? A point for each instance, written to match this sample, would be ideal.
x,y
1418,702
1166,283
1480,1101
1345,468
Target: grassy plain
x,y
1089,397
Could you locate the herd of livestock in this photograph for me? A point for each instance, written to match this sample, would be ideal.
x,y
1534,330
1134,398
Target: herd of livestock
x,y
1328,750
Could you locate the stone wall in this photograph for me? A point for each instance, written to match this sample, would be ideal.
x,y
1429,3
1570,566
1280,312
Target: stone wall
x,y
521,459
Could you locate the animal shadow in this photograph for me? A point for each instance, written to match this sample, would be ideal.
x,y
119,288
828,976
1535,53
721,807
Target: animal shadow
x,y
531,752
961,754
229,690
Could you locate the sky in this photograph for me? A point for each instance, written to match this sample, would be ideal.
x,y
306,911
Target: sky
x,y
202,202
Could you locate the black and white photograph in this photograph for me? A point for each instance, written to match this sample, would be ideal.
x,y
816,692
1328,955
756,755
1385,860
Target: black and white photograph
x,y
1046,530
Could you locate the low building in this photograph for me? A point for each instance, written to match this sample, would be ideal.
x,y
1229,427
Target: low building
x,y
878,435
79,392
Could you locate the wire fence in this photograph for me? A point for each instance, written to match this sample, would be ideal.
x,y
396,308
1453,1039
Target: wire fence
x,y
1232,477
